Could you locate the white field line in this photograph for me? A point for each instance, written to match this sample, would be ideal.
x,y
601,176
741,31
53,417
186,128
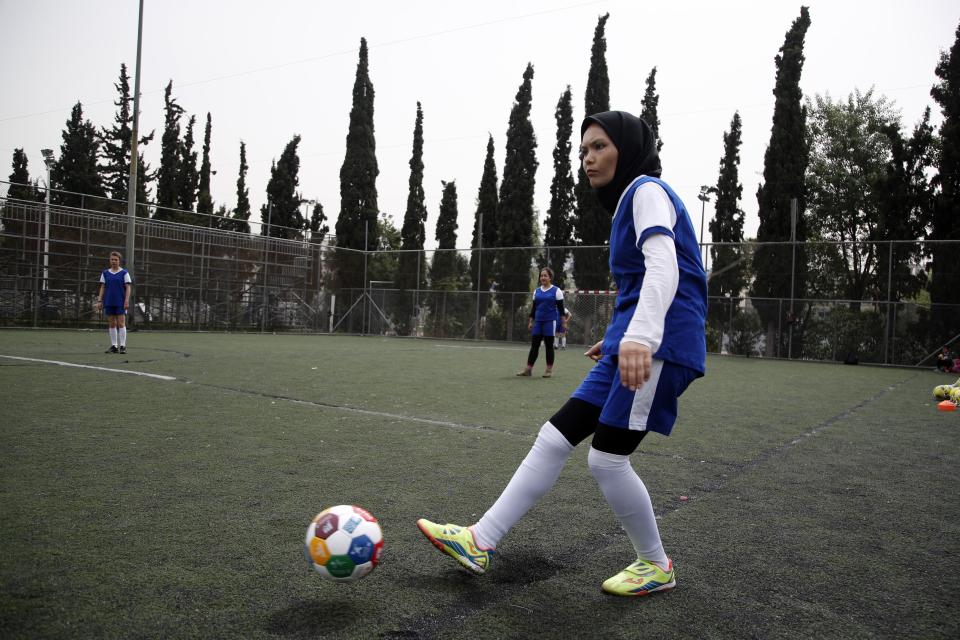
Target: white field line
x,y
86,366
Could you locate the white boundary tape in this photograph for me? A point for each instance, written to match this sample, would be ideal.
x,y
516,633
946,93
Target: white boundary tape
x,y
87,366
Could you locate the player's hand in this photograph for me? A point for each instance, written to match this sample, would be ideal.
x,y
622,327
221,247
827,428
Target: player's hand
x,y
99,304
529,324
636,362
594,352
126,305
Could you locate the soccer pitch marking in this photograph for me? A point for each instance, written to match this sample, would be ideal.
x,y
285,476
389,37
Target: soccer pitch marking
x,y
461,346
87,366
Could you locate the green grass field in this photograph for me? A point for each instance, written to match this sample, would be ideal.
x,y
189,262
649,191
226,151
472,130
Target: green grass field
x,y
823,499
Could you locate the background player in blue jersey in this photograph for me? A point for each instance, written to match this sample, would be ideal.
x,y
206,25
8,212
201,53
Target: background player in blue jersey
x,y
114,299
546,313
653,348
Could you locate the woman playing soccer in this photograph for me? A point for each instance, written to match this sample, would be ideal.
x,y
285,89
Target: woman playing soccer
x,y
545,312
653,348
114,299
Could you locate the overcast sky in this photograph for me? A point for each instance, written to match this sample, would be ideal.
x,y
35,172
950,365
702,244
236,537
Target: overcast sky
x,y
269,70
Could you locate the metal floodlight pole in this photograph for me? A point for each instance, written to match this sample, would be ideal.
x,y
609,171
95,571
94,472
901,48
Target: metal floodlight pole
x,y
793,278
479,271
48,161
704,199
134,134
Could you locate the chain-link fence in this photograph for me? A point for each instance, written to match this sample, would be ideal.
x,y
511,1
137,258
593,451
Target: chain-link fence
x,y
199,278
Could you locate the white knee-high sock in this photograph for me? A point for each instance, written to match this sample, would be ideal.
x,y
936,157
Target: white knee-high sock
x,y
113,336
627,495
122,334
531,481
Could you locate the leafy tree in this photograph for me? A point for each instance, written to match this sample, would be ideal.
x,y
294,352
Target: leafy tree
x,y
286,220
945,223
562,203
204,199
515,215
358,176
451,310
76,169
188,180
20,189
411,269
849,153
115,151
649,111
728,276
485,227
784,164
168,175
318,224
382,264
592,224
241,214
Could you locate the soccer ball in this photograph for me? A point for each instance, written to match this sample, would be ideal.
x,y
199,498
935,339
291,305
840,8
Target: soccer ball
x,y
942,391
343,543
954,395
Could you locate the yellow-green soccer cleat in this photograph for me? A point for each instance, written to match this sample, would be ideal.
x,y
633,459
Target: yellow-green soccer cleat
x,y
458,543
641,578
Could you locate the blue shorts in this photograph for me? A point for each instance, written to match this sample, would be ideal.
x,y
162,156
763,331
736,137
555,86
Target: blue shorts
x,y
652,407
544,327
114,311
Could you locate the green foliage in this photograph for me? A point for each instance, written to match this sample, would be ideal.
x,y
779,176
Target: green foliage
x,y
358,175
382,262
745,332
562,202
649,104
945,223
20,189
76,169
830,334
515,214
729,262
204,199
485,224
286,219
592,223
784,164
168,175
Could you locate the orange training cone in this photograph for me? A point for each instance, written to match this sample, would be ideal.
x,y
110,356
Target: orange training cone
x,y
946,405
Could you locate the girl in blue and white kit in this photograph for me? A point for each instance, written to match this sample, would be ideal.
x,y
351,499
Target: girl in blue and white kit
x,y
546,313
114,299
654,347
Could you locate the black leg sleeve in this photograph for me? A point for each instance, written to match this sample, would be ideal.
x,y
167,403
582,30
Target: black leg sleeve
x,y
534,350
548,342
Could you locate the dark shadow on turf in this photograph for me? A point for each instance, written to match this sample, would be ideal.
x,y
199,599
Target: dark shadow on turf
x,y
313,618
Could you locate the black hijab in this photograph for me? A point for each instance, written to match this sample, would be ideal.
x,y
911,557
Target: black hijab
x,y
637,149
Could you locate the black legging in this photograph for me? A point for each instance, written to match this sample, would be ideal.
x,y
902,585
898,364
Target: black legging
x,y
535,350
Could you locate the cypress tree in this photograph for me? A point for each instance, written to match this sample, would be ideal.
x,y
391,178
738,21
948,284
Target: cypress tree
x,y
448,268
318,224
515,215
592,224
451,310
189,179
485,224
562,203
286,220
411,269
729,271
204,199
649,104
76,169
168,175
116,151
945,223
241,214
784,165
358,176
